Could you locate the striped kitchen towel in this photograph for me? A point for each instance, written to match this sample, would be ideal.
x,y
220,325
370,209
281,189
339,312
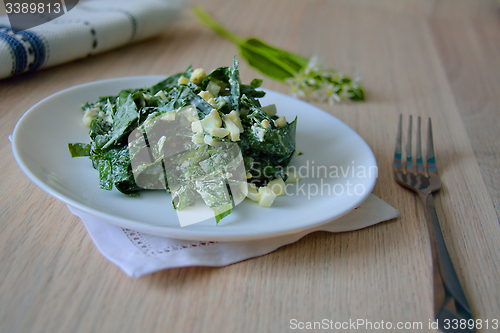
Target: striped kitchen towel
x,y
89,28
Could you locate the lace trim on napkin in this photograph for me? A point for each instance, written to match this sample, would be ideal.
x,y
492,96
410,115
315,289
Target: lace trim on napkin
x,y
143,245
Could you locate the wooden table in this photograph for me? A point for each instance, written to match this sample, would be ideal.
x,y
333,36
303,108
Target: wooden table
x,y
420,57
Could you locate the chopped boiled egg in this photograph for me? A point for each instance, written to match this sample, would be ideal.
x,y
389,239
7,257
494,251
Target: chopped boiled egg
x,y
234,131
198,75
266,196
183,80
212,120
253,192
280,122
277,186
235,118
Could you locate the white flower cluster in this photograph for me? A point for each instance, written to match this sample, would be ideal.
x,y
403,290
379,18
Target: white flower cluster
x,y
319,84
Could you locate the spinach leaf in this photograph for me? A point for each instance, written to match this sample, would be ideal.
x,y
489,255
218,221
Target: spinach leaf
x,y
79,149
170,81
230,78
124,119
105,174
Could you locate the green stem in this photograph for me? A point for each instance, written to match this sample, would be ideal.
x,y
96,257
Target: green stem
x,y
204,17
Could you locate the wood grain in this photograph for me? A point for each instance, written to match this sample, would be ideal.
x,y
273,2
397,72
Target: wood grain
x,y
426,58
475,87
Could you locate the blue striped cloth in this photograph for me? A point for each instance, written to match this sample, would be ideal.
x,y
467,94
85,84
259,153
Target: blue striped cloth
x,y
91,27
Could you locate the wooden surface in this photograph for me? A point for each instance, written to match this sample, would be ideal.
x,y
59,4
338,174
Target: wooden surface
x,y
426,58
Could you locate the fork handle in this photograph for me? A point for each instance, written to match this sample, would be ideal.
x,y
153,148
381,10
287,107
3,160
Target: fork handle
x,y
449,298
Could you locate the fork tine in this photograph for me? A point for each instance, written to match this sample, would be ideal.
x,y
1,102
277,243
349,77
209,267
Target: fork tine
x,y
420,165
409,160
431,160
398,166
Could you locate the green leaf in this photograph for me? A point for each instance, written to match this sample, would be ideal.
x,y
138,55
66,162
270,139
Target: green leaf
x,y
269,60
358,94
203,107
234,83
294,61
278,144
230,77
105,175
79,149
222,211
121,170
256,83
216,196
126,115
274,62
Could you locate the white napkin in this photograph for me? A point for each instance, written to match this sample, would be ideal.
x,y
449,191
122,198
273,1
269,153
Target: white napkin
x,y
90,27
138,254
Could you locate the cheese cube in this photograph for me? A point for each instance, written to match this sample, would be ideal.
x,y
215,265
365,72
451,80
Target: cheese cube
x,y
280,122
89,114
234,131
235,118
198,138
213,88
198,75
209,140
161,94
212,120
253,192
277,186
213,103
190,112
183,80
270,110
196,126
266,196
169,116
206,95
218,132
259,132
87,121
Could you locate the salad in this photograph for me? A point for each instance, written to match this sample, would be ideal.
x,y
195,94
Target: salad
x,y
195,135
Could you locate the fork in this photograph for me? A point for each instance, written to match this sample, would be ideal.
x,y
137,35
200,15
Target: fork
x,y
450,305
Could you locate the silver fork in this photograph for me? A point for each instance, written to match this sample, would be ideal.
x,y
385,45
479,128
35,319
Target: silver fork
x,y
450,305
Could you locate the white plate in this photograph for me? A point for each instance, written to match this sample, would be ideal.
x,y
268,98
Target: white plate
x,y
330,148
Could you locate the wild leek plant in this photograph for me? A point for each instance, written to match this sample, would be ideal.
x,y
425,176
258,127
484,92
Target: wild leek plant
x,y
308,79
